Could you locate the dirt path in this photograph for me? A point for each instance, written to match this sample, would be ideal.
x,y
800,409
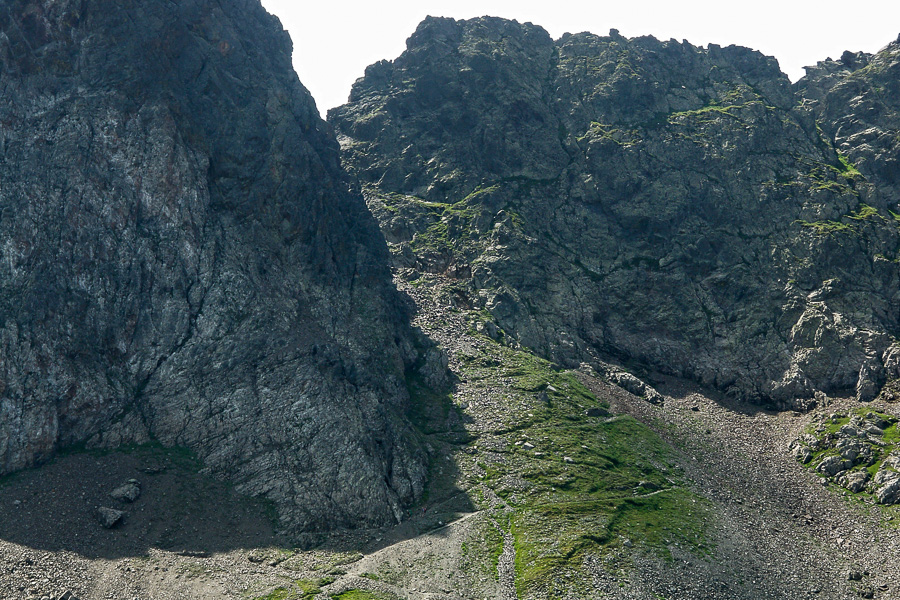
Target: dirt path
x,y
427,566
506,566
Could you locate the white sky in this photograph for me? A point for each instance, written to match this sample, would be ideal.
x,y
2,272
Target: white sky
x,y
335,40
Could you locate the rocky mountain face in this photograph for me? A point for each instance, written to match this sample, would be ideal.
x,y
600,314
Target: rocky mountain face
x,y
185,262
676,209
182,259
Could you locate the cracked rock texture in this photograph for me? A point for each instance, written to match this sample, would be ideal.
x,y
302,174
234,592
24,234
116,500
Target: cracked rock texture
x,y
182,259
679,209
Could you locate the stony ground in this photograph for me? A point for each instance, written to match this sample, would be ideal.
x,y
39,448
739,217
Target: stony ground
x,y
775,530
776,521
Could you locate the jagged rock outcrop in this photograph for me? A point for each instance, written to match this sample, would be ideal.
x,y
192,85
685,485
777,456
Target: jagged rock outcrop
x,y
857,102
182,259
856,451
680,208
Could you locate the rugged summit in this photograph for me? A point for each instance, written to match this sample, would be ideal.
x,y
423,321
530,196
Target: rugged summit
x,y
678,209
183,260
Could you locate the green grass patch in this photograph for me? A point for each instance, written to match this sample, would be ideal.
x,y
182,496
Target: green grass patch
x,y
826,227
360,595
525,372
300,589
281,593
895,216
480,191
714,110
585,484
825,176
835,187
484,546
863,212
620,137
554,536
849,170
454,227
708,112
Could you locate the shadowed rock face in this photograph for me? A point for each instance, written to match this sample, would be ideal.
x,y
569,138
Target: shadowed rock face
x,y
675,207
182,259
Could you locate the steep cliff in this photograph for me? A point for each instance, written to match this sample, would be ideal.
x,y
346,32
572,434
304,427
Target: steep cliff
x,y
182,259
679,209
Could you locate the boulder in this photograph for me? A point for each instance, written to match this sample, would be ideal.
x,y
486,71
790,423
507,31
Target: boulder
x,y
889,492
109,517
832,465
127,492
854,481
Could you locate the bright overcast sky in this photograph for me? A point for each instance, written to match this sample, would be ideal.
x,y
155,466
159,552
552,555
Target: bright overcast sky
x,y
335,40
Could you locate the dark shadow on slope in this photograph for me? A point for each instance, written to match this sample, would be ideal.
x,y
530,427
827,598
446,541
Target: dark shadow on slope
x,y
53,507
679,388
441,428
181,509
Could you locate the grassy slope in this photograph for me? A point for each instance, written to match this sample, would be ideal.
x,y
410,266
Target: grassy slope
x,y
569,484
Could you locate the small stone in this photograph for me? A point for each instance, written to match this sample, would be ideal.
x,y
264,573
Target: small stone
x,y
568,459
802,453
528,446
128,492
109,517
